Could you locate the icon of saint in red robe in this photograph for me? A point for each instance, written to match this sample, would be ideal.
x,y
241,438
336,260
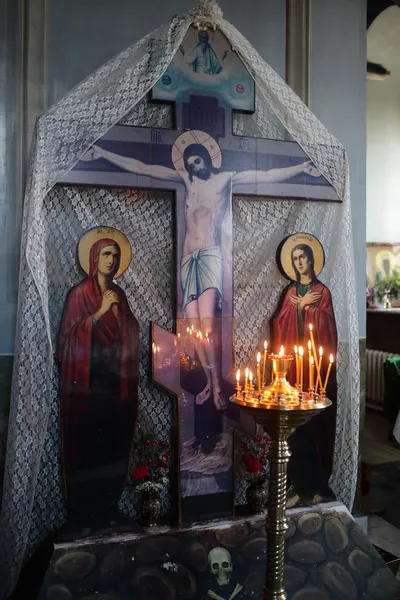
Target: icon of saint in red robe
x,y
98,351
308,301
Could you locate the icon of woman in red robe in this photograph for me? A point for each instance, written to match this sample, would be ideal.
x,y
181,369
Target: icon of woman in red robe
x,y
98,350
308,301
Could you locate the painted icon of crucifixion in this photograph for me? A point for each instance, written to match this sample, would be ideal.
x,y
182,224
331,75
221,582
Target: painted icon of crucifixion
x,y
205,165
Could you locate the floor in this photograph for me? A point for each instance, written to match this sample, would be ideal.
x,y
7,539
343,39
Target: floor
x,y
375,446
380,454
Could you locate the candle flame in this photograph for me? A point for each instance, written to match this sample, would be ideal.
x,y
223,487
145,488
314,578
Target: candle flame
x,y
200,335
282,351
179,335
295,349
309,345
311,327
301,351
187,329
320,351
258,357
238,375
246,371
312,360
158,348
331,358
265,345
250,375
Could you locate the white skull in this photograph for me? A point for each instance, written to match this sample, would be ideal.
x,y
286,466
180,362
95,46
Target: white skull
x,y
220,563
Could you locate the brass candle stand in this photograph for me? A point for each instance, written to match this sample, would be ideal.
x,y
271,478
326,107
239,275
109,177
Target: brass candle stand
x,y
279,408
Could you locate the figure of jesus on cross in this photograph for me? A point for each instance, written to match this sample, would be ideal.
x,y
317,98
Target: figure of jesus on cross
x,y
208,194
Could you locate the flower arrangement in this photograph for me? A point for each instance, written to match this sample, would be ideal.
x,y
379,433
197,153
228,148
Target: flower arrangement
x,y
389,285
254,454
150,473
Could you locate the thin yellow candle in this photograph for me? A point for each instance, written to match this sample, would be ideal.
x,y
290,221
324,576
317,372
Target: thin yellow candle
x,y
258,371
313,344
237,382
246,376
312,372
296,356
319,378
251,381
301,354
328,373
315,355
265,362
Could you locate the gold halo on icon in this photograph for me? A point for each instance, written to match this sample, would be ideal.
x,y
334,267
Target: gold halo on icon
x,y
191,137
98,233
285,253
381,256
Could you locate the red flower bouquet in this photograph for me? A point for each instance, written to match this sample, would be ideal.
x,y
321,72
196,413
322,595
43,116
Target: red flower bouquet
x,y
253,455
152,458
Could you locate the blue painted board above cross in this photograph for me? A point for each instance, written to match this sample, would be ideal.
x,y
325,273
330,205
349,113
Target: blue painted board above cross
x,y
204,164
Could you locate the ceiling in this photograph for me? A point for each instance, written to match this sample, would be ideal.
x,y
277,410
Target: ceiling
x,y
375,7
383,47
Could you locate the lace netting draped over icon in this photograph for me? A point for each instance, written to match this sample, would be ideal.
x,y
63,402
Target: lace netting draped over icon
x,y
32,502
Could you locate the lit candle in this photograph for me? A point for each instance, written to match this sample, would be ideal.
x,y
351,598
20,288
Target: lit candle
x,y
200,335
237,382
309,350
328,373
258,372
316,362
313,345
246,376
296,356
311,372
319,378
301,354
265,362
251,381
281,352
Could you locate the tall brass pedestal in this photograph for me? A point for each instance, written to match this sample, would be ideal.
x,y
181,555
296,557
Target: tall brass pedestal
x,y
279,422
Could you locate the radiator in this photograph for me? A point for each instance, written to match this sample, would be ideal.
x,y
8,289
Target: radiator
x,y
375,381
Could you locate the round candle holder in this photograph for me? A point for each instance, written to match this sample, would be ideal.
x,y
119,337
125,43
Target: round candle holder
x,y
280,409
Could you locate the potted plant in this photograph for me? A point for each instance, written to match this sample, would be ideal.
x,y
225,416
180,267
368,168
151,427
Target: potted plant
x,y
388,288
254,467
149,477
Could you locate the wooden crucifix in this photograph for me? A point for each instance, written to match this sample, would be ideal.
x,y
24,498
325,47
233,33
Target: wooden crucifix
x,y
204,164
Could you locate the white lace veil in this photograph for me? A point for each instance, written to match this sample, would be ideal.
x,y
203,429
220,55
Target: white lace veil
x,y
32,501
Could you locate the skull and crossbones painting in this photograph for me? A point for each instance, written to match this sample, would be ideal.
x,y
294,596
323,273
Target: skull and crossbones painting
x,y
221,568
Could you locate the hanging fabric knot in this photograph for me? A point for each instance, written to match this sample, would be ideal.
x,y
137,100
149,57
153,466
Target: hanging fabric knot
x,y
206,15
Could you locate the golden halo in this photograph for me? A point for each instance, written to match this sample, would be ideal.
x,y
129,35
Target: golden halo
x,y
382,254
191,137
211,34
284,255
98,233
